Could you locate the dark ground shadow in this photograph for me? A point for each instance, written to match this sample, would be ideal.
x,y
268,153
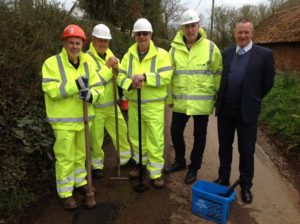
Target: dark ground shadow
x,y
101,214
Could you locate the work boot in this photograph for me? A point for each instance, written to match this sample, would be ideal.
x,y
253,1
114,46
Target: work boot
x,y
68,203
191,176
135,173
97,174
84,189
158,183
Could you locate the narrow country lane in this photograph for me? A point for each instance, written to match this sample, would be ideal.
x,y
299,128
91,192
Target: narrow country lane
x,y
276,201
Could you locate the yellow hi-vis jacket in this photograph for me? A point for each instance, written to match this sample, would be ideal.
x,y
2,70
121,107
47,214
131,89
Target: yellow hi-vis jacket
x,y
197,75
107,99
63,105
157,68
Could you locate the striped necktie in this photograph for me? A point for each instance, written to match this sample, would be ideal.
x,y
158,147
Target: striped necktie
x,y
241,51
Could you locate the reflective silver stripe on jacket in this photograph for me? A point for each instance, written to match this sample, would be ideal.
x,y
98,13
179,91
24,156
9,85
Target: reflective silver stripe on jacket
x,y
148,101
95,59
86,69
123,81
153,64
164,69
62,86
218,73
193,72
152,70
103,105
65,181
130,66
211,50
63,76
190,97
57,119
97,95
103,82
46,80
122,71
98,84
173,56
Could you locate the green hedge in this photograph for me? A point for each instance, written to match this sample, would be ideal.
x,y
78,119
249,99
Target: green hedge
x,y
281,109
30,33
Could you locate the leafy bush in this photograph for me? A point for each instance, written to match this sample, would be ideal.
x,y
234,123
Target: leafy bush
x,y
30,32
280,109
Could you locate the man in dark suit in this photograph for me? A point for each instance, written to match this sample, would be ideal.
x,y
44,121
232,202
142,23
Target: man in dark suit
x,y
248,74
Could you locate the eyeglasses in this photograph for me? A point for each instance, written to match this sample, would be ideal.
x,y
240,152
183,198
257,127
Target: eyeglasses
x,y
142,33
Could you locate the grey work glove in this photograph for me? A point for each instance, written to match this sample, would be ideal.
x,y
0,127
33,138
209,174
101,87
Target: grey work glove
x,y
86,95
82,82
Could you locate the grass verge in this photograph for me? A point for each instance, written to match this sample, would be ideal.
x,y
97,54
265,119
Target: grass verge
x,y
281,110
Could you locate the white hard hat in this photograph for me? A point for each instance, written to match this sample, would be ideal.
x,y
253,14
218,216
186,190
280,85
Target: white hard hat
x,y
189,16
142,25
101,31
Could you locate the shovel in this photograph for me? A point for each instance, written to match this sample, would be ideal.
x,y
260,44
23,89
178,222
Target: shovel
x,y
140,187
117,129
230,189
90,199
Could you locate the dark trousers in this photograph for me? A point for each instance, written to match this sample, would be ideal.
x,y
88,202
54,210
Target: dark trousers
x,y
229,120
179,121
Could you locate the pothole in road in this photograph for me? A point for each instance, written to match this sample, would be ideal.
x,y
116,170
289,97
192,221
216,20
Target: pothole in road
x,y
101,214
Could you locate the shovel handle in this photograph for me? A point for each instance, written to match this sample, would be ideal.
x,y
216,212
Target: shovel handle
x,y
140,134
230,189
116,121
90,195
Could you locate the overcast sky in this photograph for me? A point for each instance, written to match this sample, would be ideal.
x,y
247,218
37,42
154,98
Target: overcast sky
x,y
203,7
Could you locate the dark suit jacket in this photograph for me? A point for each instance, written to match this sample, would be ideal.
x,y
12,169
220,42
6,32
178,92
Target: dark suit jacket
x,y
258,80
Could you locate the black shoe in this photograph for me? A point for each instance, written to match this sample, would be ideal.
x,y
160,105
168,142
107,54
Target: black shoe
x,y
191,176
175,167
222,182
97,174
246,195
